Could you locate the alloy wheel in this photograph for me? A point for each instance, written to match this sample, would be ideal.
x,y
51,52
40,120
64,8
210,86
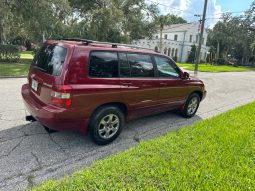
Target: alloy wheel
x,y
108,126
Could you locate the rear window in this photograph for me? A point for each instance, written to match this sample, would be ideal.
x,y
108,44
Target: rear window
x,y
50,59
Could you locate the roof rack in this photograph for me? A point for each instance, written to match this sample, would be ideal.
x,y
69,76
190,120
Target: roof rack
x,y
114,45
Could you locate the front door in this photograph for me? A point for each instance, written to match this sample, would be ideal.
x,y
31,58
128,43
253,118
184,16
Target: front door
x,y
172,91
138,83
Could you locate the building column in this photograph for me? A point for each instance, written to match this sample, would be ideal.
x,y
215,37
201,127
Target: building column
x,y
183,46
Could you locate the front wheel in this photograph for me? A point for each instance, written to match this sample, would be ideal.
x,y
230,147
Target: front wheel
x,y
191,105
106,124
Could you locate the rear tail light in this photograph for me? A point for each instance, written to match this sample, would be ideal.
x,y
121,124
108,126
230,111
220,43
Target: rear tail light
x,y
61,97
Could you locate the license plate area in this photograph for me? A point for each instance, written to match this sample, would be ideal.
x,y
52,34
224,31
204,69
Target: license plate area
x,y
34,85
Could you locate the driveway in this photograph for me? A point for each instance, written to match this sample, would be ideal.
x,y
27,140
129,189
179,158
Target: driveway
x,y
29,155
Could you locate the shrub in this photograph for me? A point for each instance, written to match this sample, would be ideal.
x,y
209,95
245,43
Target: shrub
x,y
192,54
35,50
10,53
221,61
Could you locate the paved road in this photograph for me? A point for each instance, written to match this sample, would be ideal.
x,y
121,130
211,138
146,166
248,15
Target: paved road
x,y
29,155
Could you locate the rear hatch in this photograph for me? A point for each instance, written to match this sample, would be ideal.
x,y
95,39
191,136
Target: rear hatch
x,y
45,73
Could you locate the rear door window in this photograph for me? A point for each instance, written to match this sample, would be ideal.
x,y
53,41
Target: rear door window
x,y
103,64
50,59
124,65
141,65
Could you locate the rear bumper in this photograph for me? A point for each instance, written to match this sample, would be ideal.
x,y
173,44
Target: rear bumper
x,y
52,117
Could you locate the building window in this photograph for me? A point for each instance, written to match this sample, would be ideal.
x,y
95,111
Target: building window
x,y
165,36
165,51
175,37
156,48
169,52
172,52
203,40
190,38
176,53
156,36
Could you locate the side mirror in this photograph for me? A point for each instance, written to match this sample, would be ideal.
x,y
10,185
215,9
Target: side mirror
x,y
185,76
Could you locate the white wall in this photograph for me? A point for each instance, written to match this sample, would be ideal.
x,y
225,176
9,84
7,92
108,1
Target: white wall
x,y
182,43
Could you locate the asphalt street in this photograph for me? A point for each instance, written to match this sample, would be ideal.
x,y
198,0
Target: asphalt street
x,y
29,155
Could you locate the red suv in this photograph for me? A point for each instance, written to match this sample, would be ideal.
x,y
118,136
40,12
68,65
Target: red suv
x,y
81,85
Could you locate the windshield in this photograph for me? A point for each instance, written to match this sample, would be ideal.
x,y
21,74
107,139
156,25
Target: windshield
x,y
50,59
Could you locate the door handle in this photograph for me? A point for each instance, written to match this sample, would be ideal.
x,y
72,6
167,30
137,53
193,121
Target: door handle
x,y
163,84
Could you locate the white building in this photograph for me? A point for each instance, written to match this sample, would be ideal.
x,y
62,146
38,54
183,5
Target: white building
x,y
177,41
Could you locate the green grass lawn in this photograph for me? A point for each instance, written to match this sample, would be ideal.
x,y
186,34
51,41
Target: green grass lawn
x,y
14,69
26,55
215,154
212,68
17,69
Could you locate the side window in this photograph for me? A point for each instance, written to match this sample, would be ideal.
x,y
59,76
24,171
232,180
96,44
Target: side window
x,y
141,65
166,68
103,64
124,65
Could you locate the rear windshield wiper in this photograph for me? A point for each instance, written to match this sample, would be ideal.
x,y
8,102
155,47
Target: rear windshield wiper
x,y
40,68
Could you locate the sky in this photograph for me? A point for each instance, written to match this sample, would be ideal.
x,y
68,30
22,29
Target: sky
x,y
188,8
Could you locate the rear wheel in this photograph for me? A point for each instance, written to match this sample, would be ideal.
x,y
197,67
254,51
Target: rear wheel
x,y
106,124
191,105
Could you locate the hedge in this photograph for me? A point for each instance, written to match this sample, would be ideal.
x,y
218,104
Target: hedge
x,y
9,53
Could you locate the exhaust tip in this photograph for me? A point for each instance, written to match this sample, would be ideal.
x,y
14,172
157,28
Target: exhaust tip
x,y
30,118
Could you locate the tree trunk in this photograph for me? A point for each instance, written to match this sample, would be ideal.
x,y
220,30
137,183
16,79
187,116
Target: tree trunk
x,y
2,36
218,51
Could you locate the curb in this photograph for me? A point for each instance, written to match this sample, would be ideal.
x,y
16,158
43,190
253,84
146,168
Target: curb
x,y
7,77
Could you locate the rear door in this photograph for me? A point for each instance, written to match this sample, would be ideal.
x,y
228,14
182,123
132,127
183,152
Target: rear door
x,y
172,88
138,83
45,71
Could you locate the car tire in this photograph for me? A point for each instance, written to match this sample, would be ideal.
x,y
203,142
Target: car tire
x,y
191,106
106,124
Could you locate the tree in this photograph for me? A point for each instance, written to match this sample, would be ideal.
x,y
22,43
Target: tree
x,y
192,54
233,36
120,20
31,19
164,20
104,20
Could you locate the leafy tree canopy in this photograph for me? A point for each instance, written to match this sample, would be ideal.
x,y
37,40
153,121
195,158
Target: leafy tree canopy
x,y
235,36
